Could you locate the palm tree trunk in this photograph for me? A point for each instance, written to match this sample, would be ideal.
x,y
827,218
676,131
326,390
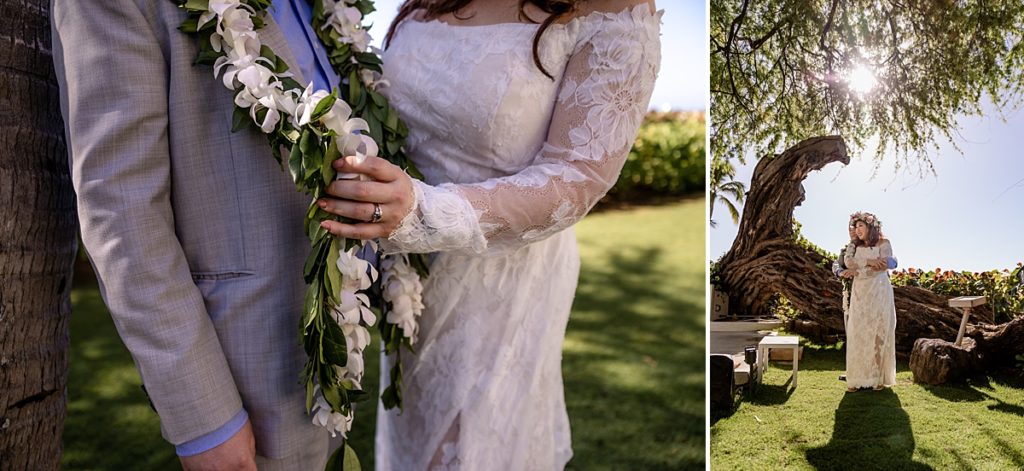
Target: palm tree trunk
x,y
37,242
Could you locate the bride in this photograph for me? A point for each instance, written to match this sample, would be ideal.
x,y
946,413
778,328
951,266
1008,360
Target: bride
x,y
871,315
521,115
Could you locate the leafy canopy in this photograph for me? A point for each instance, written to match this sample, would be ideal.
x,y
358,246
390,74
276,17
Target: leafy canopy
x,y
786,70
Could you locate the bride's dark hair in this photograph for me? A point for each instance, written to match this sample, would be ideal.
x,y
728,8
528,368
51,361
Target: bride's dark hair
x,y
874,233
432,9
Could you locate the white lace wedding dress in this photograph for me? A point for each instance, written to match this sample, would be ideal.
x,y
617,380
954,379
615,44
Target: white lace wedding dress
x,y
871,322
512,160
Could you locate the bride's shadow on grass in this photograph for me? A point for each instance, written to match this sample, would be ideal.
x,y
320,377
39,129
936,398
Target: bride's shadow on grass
x,y
871,431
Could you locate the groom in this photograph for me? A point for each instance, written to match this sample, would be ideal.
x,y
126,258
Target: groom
x,y
195,232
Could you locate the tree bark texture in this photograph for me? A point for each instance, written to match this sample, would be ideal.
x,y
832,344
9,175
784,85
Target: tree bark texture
x,y
765,261
937,361
37,242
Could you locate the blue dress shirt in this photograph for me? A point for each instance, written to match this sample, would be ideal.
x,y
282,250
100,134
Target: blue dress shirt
x,y
294,18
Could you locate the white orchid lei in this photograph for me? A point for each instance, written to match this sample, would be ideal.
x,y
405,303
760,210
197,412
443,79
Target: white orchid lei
x,y
317,127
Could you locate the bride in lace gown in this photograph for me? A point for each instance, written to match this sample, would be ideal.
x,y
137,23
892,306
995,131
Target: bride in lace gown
x,y
513,158
871,315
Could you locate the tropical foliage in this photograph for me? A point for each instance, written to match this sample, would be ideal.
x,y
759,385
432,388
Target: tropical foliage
x,y
667,157
724,189
1003,289
898,71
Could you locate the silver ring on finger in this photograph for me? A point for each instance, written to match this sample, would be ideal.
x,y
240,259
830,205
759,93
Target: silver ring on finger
x,y
378,214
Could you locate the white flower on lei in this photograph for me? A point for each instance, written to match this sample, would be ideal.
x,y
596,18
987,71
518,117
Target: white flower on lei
x,y
372,79
242,64
403,289
353,312
334,422
337,119
347,21
358,273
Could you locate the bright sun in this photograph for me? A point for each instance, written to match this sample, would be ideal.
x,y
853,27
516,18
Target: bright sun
x,y
862,80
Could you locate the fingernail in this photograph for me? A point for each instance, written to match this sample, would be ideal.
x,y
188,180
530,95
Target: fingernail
x,y
322,203
350,160
324,225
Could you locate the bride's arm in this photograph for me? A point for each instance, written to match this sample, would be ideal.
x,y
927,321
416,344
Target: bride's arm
x,y
885,260
602,99
885,256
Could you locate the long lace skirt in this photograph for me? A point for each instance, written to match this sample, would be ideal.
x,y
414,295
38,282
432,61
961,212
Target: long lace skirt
x,y
484,389
871,333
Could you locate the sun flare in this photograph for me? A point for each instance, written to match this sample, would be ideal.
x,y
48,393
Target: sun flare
x,y
862,79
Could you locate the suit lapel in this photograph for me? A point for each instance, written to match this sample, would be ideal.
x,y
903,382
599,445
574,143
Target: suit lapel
x,y
272,36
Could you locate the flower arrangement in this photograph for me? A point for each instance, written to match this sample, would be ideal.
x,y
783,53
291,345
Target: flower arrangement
x,y
867,218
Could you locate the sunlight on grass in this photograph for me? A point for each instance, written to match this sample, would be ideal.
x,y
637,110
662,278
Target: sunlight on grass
x,y
911,426
633,358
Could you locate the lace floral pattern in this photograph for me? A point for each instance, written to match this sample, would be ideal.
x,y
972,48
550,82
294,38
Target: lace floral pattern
x,y
871,323
512,159
527,193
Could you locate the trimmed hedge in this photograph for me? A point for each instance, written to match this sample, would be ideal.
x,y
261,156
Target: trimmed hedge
x,y
667,157
1004,289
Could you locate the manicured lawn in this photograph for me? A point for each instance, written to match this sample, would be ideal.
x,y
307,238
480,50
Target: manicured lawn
x,y
976,425
633,357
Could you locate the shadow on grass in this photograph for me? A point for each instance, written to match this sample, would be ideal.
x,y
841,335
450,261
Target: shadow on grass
x,y
979,389
110,424
871,431
771,394
635,394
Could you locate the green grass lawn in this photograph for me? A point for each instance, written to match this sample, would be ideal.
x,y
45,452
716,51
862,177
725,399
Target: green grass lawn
x,y
633,359
818,425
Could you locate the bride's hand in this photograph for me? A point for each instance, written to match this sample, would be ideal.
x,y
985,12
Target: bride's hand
x,y
386,185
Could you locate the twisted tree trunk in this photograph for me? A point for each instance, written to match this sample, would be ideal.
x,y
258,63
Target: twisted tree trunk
x,y
37,242
765,261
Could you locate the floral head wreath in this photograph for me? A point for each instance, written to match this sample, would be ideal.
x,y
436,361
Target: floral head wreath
x,y
868,218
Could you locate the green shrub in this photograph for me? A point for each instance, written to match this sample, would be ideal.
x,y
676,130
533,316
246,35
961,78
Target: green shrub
x,y
667,157
1003,289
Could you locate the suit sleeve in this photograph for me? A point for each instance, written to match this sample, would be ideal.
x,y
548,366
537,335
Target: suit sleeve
x,y
113,78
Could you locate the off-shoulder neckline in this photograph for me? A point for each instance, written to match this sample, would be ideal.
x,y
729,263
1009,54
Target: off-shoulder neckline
x,y
878,244
597,13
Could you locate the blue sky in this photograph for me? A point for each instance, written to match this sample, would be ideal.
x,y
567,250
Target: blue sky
x,y
970,216
683,78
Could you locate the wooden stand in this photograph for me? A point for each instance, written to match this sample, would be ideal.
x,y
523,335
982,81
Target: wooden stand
x,y
966,303
938,361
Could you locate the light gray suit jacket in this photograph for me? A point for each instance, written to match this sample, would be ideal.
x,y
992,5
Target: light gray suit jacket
x,y
194,231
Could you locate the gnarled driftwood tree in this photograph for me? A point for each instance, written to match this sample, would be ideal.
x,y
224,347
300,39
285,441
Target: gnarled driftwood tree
x,y
765,261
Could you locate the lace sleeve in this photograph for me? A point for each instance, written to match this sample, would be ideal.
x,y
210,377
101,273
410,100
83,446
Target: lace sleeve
x,y
885,252
602,98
